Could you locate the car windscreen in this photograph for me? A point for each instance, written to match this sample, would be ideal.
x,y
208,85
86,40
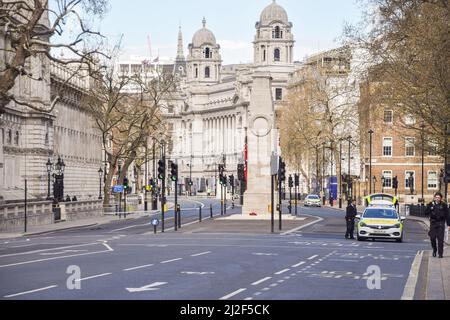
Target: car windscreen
x,y
380,213
313,198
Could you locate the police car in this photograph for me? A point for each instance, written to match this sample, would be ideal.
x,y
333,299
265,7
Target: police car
x,y
313,201
380,220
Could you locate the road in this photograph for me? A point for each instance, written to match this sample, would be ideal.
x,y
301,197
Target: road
x,y
124,260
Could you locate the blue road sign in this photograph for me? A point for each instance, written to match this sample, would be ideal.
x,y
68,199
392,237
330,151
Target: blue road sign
x,y
118,189
155,222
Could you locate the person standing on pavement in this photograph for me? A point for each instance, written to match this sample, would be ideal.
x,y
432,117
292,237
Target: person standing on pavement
x,y
439,214
350,219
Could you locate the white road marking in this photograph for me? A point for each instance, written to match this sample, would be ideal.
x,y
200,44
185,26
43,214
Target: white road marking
x,y
140,267
62,252
265,254
201,254
28,292
298,264
282,271
45,250
248,299
261,281
233,294
313,257
197,273
173,260
150,287
304,226
107,246
93,277
54,258
410,288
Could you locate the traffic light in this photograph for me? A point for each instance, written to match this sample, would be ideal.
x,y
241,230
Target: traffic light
x,y
191,183
173,171
125,183
291,182
161,170
231,180
282,171
297,180
222,178
241,172
395,183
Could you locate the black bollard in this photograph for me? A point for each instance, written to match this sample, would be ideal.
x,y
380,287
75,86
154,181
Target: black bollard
x,y
211,210
200,214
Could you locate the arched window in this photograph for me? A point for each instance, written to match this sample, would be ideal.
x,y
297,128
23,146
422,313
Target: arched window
x,y
263,49
207,72
276,55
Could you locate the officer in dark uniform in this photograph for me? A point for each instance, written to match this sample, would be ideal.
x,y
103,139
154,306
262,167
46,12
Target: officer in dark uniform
x,y
438,212
350,219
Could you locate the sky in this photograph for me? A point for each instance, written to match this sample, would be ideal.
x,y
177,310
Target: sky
x,y
318,25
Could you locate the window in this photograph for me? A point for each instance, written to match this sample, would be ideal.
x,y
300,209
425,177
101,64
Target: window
x,y
3,136
278,94
196,70
9,137
170,109
207,72
387,179
433,180
387,147
264,55
208,53
410,179
410,148
410,120
277,33
16,138
276,55
388,116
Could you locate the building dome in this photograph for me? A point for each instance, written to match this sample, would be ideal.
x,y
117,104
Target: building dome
x,y
274,12
203,36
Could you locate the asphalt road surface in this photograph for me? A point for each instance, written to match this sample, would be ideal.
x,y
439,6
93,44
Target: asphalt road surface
x,y
124,260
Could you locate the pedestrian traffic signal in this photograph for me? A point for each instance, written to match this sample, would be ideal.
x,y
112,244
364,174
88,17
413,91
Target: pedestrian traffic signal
x,y
282,171
297,180
173,172
161,170
125,183
291,182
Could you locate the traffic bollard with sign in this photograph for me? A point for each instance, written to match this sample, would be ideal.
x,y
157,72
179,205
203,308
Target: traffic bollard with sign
x,y
155,224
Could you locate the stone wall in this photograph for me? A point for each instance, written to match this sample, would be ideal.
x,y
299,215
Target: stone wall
x,y
12,215
72,211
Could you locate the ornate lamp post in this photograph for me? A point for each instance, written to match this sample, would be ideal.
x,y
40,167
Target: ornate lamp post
x,y
49,166
100,175
383,180
58,188
374,179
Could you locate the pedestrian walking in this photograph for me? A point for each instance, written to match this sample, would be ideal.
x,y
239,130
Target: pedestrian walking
x,y
439,214
350,217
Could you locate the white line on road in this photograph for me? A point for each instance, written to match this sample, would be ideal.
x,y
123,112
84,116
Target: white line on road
x,y
318,219
140,267
201,254
233,294
28,292
282,271
173,260
411,284
313,257
261,281
298,264
45,250
93,277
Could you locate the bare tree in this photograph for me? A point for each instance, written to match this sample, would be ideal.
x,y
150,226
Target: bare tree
x,y
27,27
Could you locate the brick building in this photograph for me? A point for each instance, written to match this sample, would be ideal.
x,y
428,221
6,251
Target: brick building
x,y
398,145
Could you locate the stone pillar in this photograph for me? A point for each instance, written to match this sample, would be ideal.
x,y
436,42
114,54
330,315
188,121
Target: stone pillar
x,y
260,145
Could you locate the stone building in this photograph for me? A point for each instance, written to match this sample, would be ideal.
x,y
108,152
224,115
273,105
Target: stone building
x,y
29,138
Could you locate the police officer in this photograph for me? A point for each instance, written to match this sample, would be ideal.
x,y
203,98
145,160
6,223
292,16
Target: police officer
x,y
350,219
438,212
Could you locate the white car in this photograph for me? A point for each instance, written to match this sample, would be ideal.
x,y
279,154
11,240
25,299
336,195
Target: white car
x,y
380,222
313,201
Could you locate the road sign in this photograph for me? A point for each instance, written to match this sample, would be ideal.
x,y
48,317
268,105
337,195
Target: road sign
x,y
118,189
155,222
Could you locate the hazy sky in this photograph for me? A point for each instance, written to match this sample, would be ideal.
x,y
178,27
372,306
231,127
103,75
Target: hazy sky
x,y
317,24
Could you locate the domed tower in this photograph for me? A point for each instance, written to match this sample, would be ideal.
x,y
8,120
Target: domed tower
x,y
204,60
274,42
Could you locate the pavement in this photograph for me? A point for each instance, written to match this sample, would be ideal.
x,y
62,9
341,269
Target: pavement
x,y
217,259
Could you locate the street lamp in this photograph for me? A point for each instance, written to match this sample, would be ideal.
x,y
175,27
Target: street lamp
x,y
422,126
371,132
374,179
58,188
49,166
100,174
383,180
